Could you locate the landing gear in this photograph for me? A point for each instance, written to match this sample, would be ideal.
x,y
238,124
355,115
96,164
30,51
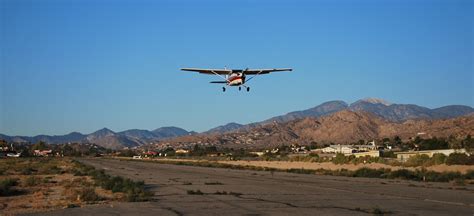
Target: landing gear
x,y
223,89
240,88
248,89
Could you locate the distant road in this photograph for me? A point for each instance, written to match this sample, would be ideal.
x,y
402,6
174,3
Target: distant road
x,y
278,193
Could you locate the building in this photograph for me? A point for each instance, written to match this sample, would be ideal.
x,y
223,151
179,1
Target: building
x,y
344,149
404,156
181,151
150,154
257,153
365,154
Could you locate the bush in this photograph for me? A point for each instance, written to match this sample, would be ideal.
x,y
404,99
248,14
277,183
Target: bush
x,y
369,173
460,159
134,190
438,158
340,159
88,194
403,174
439,177
6,186
388,154
418,160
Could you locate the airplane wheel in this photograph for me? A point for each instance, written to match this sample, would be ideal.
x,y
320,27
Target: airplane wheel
x,y
240,88
248,88
223,89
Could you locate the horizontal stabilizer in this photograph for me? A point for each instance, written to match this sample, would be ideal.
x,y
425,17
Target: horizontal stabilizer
x,y
220,82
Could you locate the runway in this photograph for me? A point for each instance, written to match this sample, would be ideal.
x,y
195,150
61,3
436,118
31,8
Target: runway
x,y
250,192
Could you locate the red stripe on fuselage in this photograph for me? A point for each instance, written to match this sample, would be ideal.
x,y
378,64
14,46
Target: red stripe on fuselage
x,y
233,78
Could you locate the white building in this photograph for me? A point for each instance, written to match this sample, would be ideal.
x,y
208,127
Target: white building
x,y
364,154
344,149
404,156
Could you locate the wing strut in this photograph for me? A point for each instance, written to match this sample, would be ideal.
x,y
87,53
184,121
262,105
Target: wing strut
x,y
254,76
223,77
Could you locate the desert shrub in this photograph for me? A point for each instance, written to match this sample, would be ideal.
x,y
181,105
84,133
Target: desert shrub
x,y
343,172
134,190
196,192
369,173
439,177
301,171
403,174
49,169
27,170
213,183
469,174
32,181
6,186
88,194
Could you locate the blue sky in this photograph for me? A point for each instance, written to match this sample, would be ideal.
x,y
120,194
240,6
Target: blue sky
x,y
83,65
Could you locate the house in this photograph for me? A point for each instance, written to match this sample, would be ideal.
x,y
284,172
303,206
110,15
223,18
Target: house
x,y
150,154
182,151
404,156
328,150
43,153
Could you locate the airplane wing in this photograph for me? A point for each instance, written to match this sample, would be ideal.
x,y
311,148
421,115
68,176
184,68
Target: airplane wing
x,y
209,71
265,71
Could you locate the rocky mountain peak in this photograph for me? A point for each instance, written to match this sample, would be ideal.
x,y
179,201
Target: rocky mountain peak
x,y
375,101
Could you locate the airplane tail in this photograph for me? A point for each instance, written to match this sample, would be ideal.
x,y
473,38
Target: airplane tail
x,y
219,82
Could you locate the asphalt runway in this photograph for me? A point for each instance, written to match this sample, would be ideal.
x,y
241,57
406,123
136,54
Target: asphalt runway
x,y
279,193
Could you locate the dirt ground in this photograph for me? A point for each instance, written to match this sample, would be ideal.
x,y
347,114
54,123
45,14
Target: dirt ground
x,y
331,166
190,190
39,192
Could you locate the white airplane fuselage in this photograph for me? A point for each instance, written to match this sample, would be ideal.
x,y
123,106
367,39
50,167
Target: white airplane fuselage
x,y
235,79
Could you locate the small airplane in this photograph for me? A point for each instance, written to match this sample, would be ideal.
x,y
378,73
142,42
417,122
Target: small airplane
x,y
14,155
235,77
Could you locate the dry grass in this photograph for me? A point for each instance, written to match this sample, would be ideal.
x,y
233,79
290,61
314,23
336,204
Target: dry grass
x,y
44,184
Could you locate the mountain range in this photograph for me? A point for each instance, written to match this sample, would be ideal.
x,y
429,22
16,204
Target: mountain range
x,y
378,107
106,137
343,127
376,110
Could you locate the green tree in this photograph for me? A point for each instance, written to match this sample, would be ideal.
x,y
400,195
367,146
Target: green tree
x,y
438,158
468,144
459,159
397,140
39,146
418,160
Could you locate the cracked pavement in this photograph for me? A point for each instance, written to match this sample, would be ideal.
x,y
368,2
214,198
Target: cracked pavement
x,y
279,193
